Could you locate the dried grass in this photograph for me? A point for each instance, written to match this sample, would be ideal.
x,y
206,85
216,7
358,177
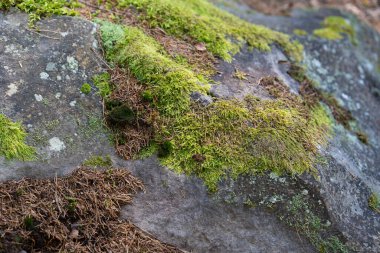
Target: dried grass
x,y
78,213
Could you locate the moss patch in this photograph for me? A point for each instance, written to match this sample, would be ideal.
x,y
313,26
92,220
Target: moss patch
x,y
300,32
374,202
227,137
38,9
12,141
98,161
334,27
222,33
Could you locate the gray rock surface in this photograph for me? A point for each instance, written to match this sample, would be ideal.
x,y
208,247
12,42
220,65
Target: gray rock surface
x,y
40,81
41,77
350,73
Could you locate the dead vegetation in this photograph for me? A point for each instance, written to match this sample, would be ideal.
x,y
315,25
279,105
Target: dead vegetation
x,y
78,213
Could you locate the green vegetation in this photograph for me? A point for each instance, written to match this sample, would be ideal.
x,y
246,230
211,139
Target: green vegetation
x,y
300,32
230,137
102,82
98,161
374,202
86,89
12,141
309,224
334,27
223,33
38,9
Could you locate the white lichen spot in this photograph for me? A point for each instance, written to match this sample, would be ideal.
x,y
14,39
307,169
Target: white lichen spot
x,y
44,75
64,34
67,77
58,95
51,66
38,97
305,192
12,89
73,103
72,63
56,144
95,44
59,78
344,96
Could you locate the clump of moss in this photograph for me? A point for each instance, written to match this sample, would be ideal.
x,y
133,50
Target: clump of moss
x,y
38,9
12,141
170,82
300,32
230,137
334,27
374,202
103,83
222,33
98,161
86,89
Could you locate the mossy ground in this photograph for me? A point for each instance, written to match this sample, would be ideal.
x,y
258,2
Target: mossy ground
x,y
12,141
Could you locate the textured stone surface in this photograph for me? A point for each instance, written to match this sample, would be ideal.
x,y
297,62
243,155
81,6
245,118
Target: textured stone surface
x,y
350,73
41,78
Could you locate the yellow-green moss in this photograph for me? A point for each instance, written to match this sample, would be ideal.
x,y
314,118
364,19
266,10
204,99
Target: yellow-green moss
x,y
227,137
374,202
12,141
300,32
98,161
223,33
334,27
170,81
38,9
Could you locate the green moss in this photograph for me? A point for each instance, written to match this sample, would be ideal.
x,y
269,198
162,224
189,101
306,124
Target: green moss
x,y
103,83
170,82
237,138
12,141
300,32
334,27
148,151
98,161
147,96
374,202
38,9
86,89
231,137
223,33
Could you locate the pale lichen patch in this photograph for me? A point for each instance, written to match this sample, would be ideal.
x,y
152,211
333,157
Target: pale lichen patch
x,y
12,89
56,144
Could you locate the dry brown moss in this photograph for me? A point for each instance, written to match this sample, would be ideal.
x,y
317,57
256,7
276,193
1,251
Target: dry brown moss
x,y
78,213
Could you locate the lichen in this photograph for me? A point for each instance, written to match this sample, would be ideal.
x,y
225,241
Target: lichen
x,y
226,137
38,9
334,27
12,141
223,33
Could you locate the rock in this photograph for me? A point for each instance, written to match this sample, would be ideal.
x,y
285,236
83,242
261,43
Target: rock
x,y
203,99
66,135
41,77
